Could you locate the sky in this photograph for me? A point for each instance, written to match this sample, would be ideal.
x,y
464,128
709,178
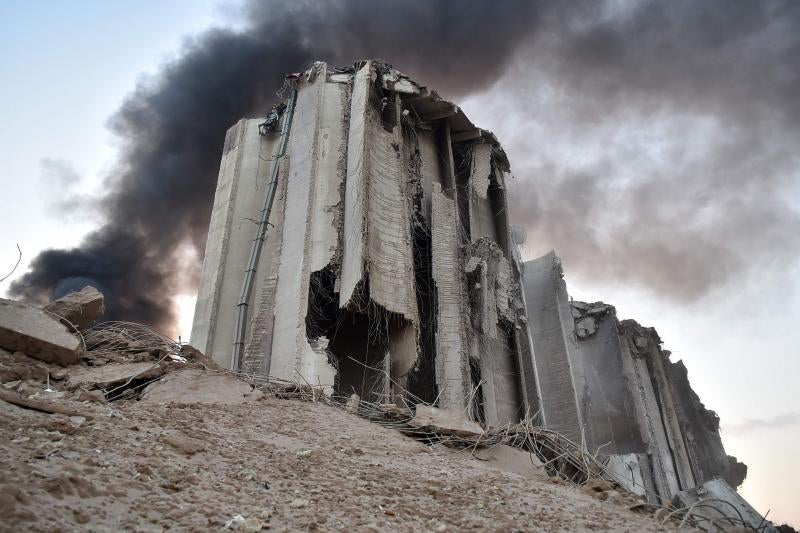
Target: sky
x,y
730,317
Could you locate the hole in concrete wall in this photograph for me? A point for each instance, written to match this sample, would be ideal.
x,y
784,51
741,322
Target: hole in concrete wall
x,y
422,380
366,344
323,303
477,412
505,331
360,347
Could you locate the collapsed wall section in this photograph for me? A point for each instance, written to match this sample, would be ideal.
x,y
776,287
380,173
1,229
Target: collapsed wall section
x,y
550,324
701,433
619,389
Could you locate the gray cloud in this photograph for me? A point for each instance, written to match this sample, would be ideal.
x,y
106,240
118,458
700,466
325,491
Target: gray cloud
x,y
754,424
658,142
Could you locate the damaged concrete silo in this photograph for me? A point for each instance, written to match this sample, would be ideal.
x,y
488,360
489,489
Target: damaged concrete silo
x,y
383,263
609,384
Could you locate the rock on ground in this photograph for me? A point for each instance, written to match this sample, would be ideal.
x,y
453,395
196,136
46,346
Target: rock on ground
x,y
444,421
30,330
199,386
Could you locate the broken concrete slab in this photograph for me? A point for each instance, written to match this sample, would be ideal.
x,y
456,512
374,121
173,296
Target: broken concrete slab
x,y
716,505
199,386
183,444
510,459
80,308
196,356
102,377
30,330
444,421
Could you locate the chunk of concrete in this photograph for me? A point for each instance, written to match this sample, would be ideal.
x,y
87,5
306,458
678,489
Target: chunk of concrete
x,y
81,308
200,386
102,377
721,507
32,331
444,421
510,459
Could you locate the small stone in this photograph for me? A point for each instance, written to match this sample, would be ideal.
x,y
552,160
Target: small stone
x,y
661,513
95,396
251,525
184,444
60,374
299,503
352,403
304,453
597,485
234,522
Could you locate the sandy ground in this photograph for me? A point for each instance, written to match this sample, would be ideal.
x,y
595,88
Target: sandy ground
x,y
284,465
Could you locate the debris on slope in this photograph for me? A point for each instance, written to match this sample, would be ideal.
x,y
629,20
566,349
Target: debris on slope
x,y
80,309
24,328
76,436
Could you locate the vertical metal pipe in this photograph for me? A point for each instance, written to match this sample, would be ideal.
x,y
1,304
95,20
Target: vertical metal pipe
x,y
261,236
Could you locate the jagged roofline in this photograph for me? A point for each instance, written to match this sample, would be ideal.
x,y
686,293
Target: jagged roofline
x,y
428,105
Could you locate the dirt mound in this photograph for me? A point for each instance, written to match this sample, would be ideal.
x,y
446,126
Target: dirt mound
x,y
288,465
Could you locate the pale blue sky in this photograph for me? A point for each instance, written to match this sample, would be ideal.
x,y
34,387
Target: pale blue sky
x,y
66,67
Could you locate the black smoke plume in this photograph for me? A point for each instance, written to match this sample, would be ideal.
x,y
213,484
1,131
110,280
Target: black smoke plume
x,y
159,198
655,143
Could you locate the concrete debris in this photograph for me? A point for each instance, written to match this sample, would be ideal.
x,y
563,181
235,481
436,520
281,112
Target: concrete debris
x,y
299,503
444,422
587,315
105,377
199,386
511,459
94,396
715,505
353,402
235,522
616,390
193,354
81,308
39,405
32,331
183,444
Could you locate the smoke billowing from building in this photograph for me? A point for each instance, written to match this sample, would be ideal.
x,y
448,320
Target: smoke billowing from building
x,y
592,92
161,192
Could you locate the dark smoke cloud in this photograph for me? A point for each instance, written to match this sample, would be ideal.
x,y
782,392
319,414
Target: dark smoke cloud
x,y
172,129
654,142
657,143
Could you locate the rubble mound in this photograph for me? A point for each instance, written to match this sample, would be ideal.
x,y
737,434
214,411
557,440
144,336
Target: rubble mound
x,y
286,465
142,433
